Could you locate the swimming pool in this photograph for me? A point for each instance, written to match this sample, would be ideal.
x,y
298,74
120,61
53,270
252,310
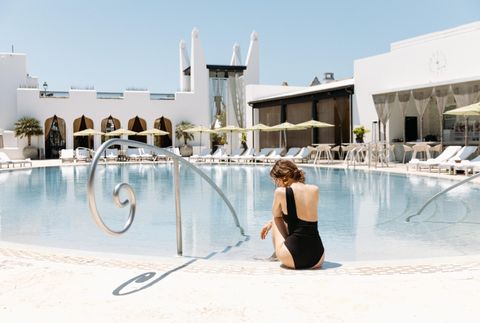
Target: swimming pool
x,y
361,214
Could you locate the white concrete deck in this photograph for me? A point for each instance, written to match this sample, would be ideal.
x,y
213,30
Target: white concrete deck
x,y
57,285
47,285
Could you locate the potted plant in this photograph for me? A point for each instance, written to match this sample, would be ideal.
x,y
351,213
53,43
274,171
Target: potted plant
x,y
180,134
28,127
243,140
359,132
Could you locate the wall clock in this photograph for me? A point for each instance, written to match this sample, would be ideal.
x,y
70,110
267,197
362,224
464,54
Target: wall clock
x,y
438,62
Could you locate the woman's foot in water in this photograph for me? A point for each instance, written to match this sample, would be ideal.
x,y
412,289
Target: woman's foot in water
x,y
273,257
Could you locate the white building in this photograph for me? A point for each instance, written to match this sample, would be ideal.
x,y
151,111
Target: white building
x,y
401,95
63,113
420,78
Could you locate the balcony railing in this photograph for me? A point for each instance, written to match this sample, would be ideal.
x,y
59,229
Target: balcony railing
x,y
105,95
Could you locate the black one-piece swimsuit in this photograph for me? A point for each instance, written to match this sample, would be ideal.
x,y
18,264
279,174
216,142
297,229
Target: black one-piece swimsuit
x,y
303,241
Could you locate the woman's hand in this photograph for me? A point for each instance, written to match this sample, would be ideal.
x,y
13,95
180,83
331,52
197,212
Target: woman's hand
x,y
265,229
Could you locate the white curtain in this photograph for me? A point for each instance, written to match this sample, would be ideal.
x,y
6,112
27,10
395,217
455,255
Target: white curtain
x,y
389,106
465,93
237,96
403,99
218,99
422,97
441,95
384,106
380,103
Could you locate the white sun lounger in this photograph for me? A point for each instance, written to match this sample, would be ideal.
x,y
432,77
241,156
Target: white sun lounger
x,y
111,154
201,156
262,154
67,155
248,153
467,165
134,154
5,160
144,155
461,155
275,155
82,154
173,150
247,156
448,153
235,155
219,155
291,153
303,155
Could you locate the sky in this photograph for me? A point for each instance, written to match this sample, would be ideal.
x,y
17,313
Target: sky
x,y
115,45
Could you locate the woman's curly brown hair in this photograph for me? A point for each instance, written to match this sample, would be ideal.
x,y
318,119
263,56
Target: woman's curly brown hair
x,y
285,169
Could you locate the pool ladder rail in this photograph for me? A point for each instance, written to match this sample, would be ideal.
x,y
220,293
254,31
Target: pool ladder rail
x,y
440,194
131,200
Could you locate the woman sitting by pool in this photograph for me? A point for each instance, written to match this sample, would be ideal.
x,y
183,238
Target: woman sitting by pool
x,y
295,237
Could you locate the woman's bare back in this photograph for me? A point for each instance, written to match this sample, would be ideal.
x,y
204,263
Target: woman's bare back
x,y
306,200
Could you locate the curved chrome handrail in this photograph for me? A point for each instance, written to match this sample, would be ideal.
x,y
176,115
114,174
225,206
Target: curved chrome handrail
x,y
441,193
131,198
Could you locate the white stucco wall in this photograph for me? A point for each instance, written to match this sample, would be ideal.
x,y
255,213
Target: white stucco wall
x,y
252,73
189,106
186,106
412,64
13,73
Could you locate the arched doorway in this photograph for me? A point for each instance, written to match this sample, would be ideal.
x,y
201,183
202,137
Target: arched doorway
x,y
55,131
110,124
80,124
138,125
164,124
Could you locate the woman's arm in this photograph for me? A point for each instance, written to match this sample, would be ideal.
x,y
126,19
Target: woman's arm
x,y
265,229
277,212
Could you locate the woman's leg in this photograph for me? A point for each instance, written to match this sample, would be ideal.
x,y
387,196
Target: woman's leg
x,y
283,254
320,262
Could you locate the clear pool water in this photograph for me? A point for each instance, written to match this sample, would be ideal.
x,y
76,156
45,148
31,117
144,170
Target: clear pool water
x,y
361,214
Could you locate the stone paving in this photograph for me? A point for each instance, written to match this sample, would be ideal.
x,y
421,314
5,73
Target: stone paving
x,y
54,285
198,265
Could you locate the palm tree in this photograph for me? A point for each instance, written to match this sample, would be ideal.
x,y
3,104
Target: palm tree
x,y
180,133
28,127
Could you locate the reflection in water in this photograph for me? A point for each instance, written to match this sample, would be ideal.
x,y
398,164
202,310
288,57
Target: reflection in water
x,y
361,213
55,183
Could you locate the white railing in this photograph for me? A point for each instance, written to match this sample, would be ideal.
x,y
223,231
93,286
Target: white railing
x,y
131,200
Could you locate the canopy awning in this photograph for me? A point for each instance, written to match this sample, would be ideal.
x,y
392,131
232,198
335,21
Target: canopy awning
x,y
427,85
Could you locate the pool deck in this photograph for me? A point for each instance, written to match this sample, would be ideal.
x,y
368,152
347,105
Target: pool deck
x,y
40,284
